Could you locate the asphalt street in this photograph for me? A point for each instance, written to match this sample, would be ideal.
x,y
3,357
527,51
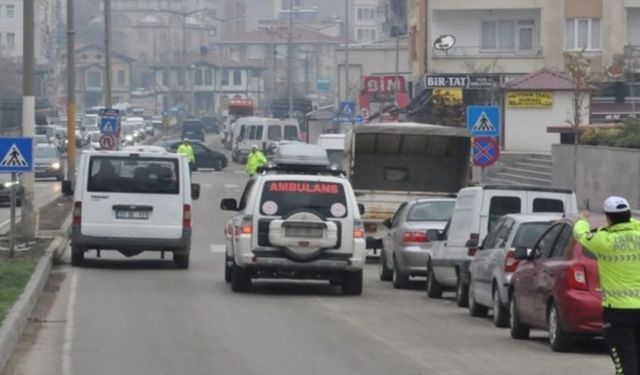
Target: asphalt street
x,y
142,316
45,191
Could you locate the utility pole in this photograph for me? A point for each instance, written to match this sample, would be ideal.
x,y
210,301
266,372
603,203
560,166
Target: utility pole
x,y
397,79
28,222
71,95
107,57
346,50
290,59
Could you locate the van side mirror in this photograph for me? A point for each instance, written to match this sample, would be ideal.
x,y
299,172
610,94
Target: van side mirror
x,y
195,191
361,208
387,223
434,235
229,204
522,253
67,188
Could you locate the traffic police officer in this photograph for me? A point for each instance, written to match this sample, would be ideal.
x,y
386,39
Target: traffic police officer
x,y
186,149
617,248
255,160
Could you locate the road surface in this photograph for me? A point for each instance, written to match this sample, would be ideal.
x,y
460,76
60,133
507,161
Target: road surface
x,y
141,316
45,191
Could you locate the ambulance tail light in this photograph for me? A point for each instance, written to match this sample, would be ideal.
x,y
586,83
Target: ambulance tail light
x,y
358,229
186,216
77,213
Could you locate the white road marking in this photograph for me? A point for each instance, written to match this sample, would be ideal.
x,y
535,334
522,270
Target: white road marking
x,y
68,329
218,248
239,172
206,186
231,186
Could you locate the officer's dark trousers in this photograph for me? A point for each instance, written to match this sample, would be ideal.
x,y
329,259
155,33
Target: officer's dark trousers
x,y
622,334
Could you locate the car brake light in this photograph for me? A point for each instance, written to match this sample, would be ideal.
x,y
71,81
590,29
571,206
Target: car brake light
x,y
510,261
474,238
577,277
408,237
370,227
77,213
245,226
358,230
186,216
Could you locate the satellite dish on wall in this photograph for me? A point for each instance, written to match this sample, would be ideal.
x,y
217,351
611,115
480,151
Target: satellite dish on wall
x,y
444,42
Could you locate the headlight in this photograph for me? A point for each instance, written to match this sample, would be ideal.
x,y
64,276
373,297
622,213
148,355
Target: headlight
x,y
55,165
129,138
7,184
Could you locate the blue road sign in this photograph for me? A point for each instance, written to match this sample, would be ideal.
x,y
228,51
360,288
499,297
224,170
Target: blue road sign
x,y
17,155
483,121
108,112
109,125
486,151
347,109
358,119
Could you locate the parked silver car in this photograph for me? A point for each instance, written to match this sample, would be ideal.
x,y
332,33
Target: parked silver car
x,y
405,248
491,268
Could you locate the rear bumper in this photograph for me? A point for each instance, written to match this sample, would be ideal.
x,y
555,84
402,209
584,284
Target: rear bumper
x,y
462,265
49,172
581,312
412,260
180,245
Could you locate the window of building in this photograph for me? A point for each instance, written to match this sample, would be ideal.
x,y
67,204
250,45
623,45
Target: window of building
x,y
237,78
365,34
120,78
94,79
208,77
255,52
583,33
508,35
180,75
366,13
10,11
165,77
225,77
198,77
10,41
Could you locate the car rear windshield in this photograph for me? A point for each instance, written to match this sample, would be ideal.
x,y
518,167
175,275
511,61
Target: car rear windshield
x,y
282,197
528,234
192,126
133,175
431,211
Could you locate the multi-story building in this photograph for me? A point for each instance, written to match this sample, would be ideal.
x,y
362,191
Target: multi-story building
x,y
507,38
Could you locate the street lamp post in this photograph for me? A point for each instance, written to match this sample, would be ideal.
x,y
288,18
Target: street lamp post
x,y
290,58
107,54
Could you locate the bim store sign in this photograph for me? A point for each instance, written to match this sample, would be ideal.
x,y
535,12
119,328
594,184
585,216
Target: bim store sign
x,y
461,81
384,84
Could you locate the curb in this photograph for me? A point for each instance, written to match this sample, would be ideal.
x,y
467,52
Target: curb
x,y
17,319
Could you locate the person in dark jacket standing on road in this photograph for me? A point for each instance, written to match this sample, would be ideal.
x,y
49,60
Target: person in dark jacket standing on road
x,y
617,248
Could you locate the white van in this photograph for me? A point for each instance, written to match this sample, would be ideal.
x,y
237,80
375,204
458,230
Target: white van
x,y
132,202
261,131
476,211
334,144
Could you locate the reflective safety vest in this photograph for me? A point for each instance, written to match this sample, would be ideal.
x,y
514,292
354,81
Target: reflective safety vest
x,y
186,150
617,249
255,160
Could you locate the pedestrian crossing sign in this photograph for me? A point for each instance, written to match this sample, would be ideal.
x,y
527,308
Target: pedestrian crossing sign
x,y
17,155
483,121
347,109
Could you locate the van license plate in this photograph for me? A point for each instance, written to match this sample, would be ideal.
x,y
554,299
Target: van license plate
x,y
132,215
303,232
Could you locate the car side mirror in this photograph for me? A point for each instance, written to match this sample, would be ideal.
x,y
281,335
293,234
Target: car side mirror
x,y
195,191
67,188
229,204
387,223
361,208
522,253
434,235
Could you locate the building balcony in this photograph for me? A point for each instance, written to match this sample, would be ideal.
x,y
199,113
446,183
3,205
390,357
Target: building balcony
x,y
483,52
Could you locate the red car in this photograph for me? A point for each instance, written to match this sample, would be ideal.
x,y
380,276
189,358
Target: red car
x,y
556,288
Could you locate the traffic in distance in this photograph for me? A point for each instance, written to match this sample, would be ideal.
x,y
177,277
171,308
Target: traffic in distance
x,y
392,201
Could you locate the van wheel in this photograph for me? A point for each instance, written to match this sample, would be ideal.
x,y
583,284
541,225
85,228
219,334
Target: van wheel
x,y
400,280
227,269
434,289
519,331
385,273
476,310
462,293
352,283
77,256
500,313
181,261
559,339
240,280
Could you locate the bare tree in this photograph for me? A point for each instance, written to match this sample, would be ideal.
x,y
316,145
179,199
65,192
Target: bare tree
x,y
579,67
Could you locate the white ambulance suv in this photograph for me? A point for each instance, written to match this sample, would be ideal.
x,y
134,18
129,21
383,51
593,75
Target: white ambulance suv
x,y
132,201
297,219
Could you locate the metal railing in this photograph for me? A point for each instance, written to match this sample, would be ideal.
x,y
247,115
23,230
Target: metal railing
x,y
480,52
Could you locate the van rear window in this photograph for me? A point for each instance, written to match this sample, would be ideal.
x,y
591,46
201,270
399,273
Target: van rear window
x,y
282,197
548,205
108,174
500,206
290,133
